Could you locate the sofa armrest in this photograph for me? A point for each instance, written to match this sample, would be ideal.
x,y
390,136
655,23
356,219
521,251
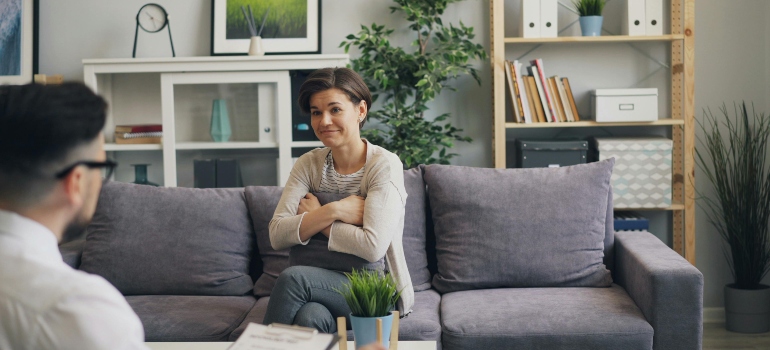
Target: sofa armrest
x,y
665,286
72,251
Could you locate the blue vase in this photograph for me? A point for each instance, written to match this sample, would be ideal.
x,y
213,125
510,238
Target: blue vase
x,y
591,25
220,122
365,330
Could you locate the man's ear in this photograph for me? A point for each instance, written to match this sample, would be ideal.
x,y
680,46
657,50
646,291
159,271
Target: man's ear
x,y
74,185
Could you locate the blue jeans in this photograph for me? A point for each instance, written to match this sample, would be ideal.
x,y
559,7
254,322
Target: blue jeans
x,y
306,296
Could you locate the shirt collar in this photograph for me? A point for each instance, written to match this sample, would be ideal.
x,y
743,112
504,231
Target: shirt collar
x,y
30,233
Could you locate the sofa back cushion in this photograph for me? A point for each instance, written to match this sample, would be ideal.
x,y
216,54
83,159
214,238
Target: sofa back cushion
x,y
540,227
262,201
173,241
414,238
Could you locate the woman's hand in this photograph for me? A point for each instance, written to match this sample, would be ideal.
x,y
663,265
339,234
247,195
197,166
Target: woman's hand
x,y
308,204
351,210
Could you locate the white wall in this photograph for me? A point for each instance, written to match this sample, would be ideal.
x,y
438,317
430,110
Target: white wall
x,y
732,64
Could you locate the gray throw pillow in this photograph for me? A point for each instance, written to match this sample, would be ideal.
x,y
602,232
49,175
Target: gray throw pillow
x,y
172,241
317,254
262,201
539,227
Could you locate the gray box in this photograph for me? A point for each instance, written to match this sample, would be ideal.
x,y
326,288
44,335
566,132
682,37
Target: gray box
x,y
550,153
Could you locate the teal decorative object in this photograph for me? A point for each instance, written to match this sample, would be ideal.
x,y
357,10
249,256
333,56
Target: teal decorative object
x,y
591,25
220,122
140,175
365,330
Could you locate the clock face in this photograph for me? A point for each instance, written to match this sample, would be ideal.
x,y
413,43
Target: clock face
x,y
152,18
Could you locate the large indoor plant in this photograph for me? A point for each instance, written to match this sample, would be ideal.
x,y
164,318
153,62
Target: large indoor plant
x,y
591,19
408,81
733,159
371,295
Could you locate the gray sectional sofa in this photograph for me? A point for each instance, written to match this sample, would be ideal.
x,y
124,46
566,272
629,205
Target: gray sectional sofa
x,y
499,258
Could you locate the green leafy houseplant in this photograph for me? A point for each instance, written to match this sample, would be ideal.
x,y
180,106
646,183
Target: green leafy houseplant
x,y
735,163
408,81
589,7
370,293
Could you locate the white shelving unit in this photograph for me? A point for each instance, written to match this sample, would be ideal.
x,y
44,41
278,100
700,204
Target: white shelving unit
x,y
178,93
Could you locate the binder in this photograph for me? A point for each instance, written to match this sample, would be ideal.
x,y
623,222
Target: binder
x,y
228,174
529,26
204,173
633,18
278,336
654,15
549,18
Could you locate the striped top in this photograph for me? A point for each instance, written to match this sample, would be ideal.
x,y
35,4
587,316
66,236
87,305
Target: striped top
x,y
334,182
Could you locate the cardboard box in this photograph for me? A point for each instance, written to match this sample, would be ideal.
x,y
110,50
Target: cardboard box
x,y
624,105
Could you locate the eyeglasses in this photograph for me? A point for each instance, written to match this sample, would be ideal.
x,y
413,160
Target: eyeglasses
x,y
108,166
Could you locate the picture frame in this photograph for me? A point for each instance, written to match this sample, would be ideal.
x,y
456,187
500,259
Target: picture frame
x,y
230,36
18,45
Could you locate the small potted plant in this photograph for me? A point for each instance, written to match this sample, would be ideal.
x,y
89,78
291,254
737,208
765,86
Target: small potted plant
x,y
371,295
590,16
733,158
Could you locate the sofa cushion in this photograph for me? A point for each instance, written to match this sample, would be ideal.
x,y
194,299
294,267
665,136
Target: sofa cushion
x,y
170,241
421,324
414,239
261,202
190,318
543,318
316,252
541,227
255,315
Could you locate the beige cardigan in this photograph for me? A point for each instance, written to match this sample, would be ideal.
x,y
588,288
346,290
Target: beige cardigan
x,y
382,232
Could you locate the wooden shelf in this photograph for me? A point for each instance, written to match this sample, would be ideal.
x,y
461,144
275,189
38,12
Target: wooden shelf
x,y
114,147
593,39
673,207
591,123
224,145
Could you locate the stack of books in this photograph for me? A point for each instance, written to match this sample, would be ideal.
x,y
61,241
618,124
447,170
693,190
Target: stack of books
x,y
138,134
537,99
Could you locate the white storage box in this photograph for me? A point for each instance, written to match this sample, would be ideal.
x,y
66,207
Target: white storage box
x,y
641,177
624,105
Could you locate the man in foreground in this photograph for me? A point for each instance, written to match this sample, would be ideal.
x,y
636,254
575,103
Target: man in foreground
x,y
52,163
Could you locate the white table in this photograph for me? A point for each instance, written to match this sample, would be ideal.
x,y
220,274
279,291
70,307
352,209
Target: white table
x,y
402,345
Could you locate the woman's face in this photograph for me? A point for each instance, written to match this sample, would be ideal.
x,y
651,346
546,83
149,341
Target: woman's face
x,y
335,118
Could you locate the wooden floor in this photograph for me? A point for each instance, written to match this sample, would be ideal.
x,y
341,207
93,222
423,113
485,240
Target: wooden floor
x,y
716,337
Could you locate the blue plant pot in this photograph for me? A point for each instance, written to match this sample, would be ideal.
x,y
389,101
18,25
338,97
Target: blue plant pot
x,y
220,122
365,330
591,25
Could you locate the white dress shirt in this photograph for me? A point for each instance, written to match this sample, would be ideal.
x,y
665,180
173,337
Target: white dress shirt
x,y
46,304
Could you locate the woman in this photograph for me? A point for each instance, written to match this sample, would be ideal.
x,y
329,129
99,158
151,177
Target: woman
x,y
368,224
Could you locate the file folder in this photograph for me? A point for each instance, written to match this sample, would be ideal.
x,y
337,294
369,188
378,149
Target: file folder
x,y
549,17
633,18
529,26
654,15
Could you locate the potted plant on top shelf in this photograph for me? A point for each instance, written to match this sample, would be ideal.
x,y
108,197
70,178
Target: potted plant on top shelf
x,y
734,160
371,295
590,16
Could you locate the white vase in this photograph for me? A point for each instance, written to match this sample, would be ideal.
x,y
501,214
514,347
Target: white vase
x,y
255,46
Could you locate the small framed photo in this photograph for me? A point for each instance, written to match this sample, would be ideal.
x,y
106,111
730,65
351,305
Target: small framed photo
x,y
286,26
18,54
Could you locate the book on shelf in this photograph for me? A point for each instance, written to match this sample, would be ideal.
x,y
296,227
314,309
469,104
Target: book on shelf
x,y
138,137
139,128
571,99
512,93
563,98
517,76
530,99
557,106
538,106
541,93
546,90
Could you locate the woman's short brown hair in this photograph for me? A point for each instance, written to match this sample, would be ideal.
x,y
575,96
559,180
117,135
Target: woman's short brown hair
x,y
344,79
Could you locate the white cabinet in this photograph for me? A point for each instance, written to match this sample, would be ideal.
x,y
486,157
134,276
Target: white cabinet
x,y
179,92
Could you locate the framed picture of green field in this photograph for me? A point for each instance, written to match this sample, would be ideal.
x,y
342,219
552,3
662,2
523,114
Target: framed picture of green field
x,y
286,26
18,38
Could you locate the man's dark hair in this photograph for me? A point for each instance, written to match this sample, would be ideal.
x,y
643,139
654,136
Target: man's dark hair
x,y
40,128
344,79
